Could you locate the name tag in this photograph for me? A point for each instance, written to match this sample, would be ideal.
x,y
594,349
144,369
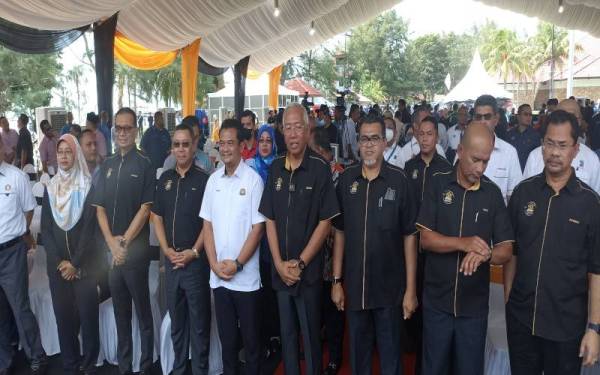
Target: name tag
x,y
573,221
134,176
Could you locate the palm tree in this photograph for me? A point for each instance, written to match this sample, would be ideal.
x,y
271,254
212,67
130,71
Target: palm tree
x,y
502,53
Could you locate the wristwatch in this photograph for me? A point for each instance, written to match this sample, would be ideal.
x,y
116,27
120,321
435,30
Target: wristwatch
x,y
123,242
337,280
239,266
195,251
594,327
301,265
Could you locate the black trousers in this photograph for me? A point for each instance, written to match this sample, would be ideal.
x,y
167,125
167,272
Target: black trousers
x,y
269,313
14,283
127,284
75,306
303,309
334,321
381,326
188,301
532,355
232,307
448,340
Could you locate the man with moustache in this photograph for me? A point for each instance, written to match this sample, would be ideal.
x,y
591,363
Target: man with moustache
x,y
552,282
299,202
462,213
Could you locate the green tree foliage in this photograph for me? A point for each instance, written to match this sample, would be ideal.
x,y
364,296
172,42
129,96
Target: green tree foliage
x,y
429,64
26,81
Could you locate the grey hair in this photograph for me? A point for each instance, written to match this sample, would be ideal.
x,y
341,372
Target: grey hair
x,y
299,107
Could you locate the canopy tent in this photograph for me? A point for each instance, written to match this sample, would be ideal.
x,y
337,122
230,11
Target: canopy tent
x,y
256,97
230,29
301,87
578,14
476,82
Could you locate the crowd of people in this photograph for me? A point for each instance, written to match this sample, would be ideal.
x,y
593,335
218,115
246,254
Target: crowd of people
x,y
387,223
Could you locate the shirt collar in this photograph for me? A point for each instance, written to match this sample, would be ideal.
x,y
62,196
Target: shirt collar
x,y
2,168
238,170
456,179
304,164
572,186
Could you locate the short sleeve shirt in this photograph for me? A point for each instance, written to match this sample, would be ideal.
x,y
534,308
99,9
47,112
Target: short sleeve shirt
x,y
557,245
375,217
297,200
454,211
230,204
125,184
16,198
504,168
24,143
47,151
524,142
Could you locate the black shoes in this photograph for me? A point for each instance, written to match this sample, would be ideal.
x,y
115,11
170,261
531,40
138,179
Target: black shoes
x,y
331,369
38,366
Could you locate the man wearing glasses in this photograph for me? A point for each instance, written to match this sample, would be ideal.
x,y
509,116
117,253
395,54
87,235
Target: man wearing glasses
x,y
298,202
503,167
178,199
523,137
585,162
375,250
552,282
124,194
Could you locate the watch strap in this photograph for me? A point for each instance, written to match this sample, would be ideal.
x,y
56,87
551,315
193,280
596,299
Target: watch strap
x,y
594,327
239,266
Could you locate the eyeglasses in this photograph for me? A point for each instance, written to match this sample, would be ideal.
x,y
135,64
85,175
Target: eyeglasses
x,y
556,146
296,129
123,129
64,153
486,116
181,144
372,140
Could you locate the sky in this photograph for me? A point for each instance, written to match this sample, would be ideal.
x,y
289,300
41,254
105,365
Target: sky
x,y
423,16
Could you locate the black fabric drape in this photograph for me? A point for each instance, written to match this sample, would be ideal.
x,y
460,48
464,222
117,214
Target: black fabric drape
x,y
104,43
206,68
240,70
33,41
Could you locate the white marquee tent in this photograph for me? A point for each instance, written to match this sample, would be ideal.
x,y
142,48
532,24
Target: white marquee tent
x,y
475,83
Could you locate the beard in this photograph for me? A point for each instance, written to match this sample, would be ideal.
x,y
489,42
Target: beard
x,y
369,162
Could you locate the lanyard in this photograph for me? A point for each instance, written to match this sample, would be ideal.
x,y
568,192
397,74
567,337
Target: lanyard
x,y
391,153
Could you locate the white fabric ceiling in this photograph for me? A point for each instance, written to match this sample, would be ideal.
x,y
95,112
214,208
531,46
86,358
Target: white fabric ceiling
x,y
230,29
578,14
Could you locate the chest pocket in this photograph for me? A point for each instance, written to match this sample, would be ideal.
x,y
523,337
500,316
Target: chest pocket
x,y
243,203
8,201
573,239
387,214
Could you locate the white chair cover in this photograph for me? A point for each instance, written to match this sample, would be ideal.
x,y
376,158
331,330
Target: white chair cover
x,y
45,178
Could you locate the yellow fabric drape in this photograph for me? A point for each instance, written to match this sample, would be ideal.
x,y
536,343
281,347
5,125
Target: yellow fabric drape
x,y
139,57
253,75
189,75
274,78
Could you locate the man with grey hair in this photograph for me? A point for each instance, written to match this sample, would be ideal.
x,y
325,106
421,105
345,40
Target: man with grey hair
x,y
298,202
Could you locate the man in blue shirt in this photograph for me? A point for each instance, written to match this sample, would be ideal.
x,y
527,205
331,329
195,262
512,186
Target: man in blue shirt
x,y
67,127
523,137
156,142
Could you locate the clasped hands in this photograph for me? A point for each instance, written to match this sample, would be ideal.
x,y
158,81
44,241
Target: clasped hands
x,y
289,271
67,270
478,252
180,259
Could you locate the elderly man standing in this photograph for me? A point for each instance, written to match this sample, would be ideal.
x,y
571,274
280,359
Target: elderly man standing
x,y
16,210
47,148
124,194
462,213
553,279
299,202
9,139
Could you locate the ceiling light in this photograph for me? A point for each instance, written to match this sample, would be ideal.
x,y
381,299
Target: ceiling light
x,y
561,8
276,12
312,30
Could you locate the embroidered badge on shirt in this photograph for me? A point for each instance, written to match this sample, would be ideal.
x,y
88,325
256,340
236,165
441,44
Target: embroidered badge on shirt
x,y
530,208
354,187
168,185
390,194
415,174
108,173
278,184
448,197
242,191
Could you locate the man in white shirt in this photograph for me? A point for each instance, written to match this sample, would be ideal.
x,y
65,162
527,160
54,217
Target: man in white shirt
x,y
392,149
585,163
233,229
411,149
456,131
347,129
16,210
503,168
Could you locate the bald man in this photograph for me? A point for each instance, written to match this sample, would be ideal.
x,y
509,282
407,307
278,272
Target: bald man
x,y
462,213
585,163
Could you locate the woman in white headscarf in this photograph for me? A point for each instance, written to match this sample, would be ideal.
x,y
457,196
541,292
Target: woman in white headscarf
x,y
69,237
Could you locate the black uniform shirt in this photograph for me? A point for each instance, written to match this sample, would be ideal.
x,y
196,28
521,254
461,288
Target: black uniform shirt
x,y
124,185
557,245
376,215
419,172
454,211
297,200
178,201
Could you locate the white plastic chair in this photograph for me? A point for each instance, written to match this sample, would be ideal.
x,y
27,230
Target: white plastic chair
x,y
38,189
51,170
29,168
